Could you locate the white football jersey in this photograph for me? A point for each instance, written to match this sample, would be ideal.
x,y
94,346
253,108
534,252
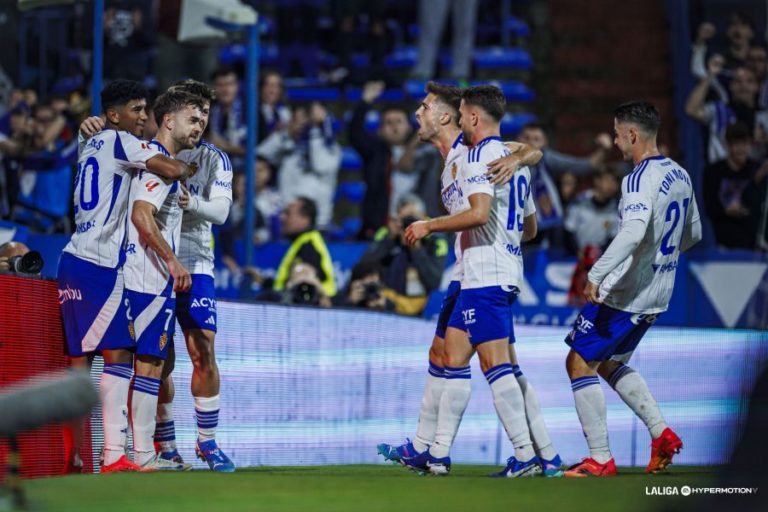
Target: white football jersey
x,y
212,179
144,270
104,169
492,255
453,198
658,192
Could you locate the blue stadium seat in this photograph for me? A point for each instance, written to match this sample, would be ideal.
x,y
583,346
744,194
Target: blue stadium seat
x,y
313,94
356,93
404,57
497,57
514,91
352,191
350,160
352,226
516,27
511,124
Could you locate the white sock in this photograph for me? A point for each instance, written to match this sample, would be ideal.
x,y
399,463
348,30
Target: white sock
x,y
538,429
207,413
510,406
632,388
113,390
143,408
165,428
430,404
590,406
453,402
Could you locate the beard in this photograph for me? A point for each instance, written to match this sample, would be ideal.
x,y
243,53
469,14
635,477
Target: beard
x,y
466,138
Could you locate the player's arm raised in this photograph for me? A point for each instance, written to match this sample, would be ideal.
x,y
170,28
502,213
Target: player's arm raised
x,y
143,217
501,170
477,215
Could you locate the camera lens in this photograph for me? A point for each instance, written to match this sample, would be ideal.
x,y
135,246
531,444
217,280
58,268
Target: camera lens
x,y
30,263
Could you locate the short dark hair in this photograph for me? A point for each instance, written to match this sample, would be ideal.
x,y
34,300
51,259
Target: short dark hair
x,y
308,209
119,92
447,94
222,71
172,101
532,126
737,132
487,97
365,268
197,88
393,108
266,74
641,113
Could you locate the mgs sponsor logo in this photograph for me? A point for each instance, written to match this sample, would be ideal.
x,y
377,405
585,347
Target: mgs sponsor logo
x,y
635,207
67,294
479,179
226,185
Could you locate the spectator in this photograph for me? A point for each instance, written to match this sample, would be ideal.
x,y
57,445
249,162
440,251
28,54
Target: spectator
x,y
304,287
227,120
360,25
268,204
757,62
307,157
432,18
553,164
732,197
126,43
365,289
410,274
297,37
418,171
717,115
9,250
273,113
381,153
307,245
593,218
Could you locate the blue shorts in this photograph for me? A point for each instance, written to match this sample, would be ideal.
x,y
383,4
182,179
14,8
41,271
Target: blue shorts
x,y
601,332
485,313
153,321
447,307
94,308
196,309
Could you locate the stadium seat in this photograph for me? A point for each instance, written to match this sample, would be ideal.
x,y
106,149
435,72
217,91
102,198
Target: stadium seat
x,y
511,124
513,90
516,27
313,94
497,57
356,93
404,57
350,159
352,191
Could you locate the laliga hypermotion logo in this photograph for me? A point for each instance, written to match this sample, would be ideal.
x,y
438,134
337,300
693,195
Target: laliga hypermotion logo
x,y
151,185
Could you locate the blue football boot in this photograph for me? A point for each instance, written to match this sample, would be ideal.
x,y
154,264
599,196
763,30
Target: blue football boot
x,y
397,453
424,463
208,452
552,468
517,469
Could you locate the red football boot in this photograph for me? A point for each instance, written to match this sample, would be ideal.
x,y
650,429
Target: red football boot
x,y
663,448
590,467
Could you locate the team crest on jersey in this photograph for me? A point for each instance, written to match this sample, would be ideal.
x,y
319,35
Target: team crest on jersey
x,y
454,170
163,340
151,185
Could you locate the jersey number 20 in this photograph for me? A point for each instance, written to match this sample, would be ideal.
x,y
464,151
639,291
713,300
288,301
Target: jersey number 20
x,y
91,165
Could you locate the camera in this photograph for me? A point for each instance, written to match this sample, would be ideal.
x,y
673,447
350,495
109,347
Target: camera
x,y
371,291
408,220
304,294
30,263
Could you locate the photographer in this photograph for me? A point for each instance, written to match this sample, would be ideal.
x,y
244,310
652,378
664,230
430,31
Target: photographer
x,y
304,288
365,289
409,273
16,258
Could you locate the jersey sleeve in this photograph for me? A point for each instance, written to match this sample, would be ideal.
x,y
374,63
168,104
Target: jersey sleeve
x,y
530,206
150,188
220,177
133,152
637,198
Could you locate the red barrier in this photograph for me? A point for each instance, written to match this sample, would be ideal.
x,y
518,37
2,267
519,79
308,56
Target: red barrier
x,y
31,343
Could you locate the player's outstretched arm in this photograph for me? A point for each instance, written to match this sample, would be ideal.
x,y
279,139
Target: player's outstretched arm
x,y
168,168
501,170
143,217
477,215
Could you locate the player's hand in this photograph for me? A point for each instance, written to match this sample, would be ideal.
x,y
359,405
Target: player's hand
x,y
182,280
4,267
705,32
592,293
416,232
501,170
715,65
356,292
372,90
604,141
184,197
91,126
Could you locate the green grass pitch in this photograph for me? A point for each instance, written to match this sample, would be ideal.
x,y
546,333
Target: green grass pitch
x,y
355,488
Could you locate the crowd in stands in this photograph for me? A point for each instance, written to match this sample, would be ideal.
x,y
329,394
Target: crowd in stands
x,y
302,191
